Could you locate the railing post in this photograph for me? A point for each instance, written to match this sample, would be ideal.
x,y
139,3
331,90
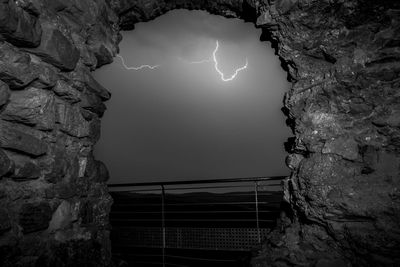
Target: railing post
x,y
257,215
163,223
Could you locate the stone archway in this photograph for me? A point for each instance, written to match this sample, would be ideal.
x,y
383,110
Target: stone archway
x,y
342,198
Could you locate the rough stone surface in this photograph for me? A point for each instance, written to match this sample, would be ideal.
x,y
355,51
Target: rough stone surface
x,y
71,120
25,168
18,140
4,94
32,106
18,69
17,26
67,92
34,217
5,164
49,122
5,223
56,49
342,199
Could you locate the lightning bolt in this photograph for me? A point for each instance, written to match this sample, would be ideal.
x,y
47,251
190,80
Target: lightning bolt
x,y
137,68
214,59
221,74
211,59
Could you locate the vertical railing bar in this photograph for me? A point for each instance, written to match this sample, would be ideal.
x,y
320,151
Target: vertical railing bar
x,y
163,223
257,215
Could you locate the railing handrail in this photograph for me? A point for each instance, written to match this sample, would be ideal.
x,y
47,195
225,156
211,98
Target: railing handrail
x,y
205,181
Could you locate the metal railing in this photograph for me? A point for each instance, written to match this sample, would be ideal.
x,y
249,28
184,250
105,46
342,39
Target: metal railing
x,y
219,214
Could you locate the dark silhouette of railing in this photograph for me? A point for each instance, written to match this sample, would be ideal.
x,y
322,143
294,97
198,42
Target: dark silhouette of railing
x,y
197,215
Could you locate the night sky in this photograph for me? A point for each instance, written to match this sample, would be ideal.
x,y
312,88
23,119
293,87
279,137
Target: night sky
x,y
180,120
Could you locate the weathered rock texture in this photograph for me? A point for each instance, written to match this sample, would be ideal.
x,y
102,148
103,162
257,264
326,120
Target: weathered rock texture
x,y
54,203
342,56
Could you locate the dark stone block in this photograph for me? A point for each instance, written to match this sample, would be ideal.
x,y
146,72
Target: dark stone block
x,y
96,170
6,165
15,69
33,106
102,172
103,55
5,223
71,120
4,94
92,102
67,92
56,49
62,166
17,26
83,79
14,139
34,217
33,7
65,190
25,169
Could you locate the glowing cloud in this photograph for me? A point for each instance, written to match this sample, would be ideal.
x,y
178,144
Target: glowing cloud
x,y
137,68
197,62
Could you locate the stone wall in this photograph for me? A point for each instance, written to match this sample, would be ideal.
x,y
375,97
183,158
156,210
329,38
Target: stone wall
x,y
342,56
54,203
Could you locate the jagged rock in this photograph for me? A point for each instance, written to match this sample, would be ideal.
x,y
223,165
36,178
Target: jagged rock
x,y
34,7
93,103
83,79
18,69
4,94
102,172
71,120
12,138
67,92
96,170
56,49
64,215
34,217
15,69
100,51
293,160
25,168
391,119
62,166
17,26
342,146
61,190
32,106
6,165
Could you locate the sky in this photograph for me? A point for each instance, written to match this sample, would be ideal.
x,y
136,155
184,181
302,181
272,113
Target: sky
x,y
187,115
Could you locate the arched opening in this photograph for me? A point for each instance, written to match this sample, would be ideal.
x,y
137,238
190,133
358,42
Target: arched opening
x,y
342,60
184,119
195,97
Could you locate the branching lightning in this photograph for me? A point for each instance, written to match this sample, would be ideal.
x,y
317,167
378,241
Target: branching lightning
x,y
137,68
211,59
214,59
221,74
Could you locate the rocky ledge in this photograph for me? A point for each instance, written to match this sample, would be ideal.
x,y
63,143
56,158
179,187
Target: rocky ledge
x,y
342,200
